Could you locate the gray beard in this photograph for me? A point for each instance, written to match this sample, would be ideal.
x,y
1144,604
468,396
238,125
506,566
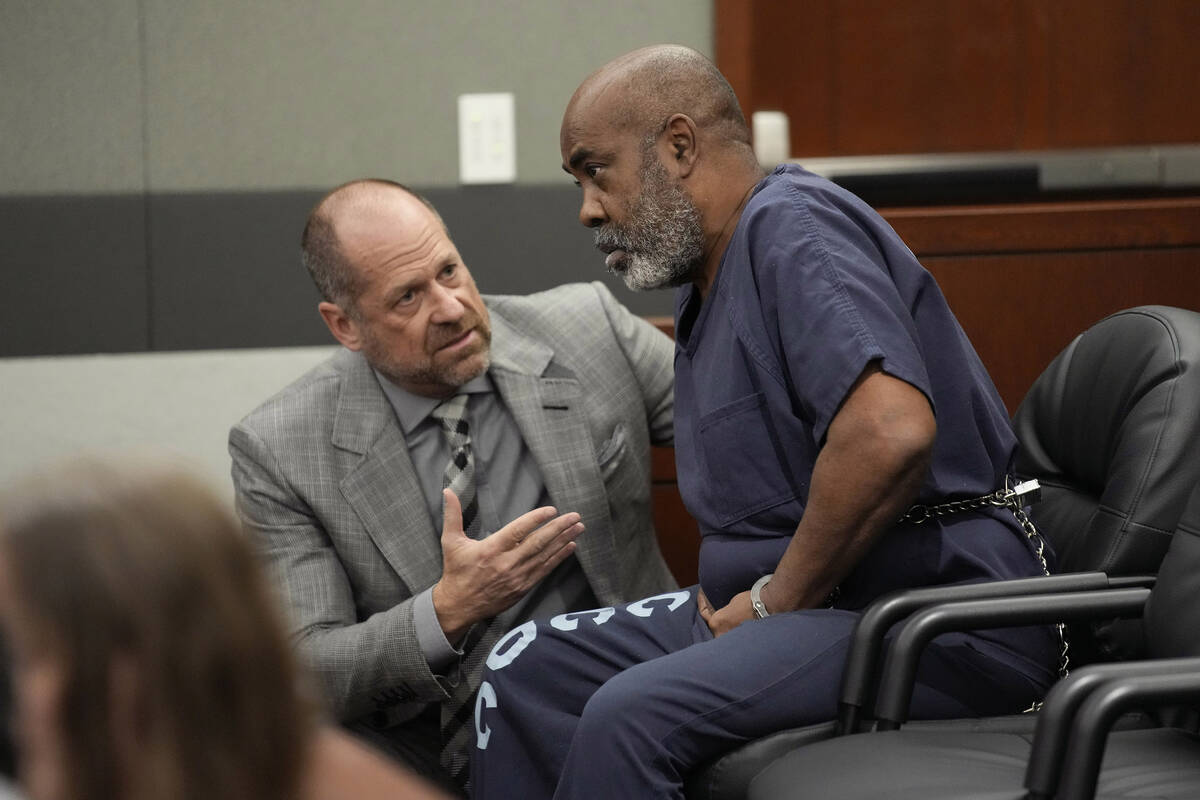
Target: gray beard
x,y
455,375
663,239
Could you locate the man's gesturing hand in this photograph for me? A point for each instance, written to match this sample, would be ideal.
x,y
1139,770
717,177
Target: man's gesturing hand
x,y
482,578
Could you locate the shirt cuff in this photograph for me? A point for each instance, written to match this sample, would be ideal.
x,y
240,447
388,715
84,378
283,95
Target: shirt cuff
x,y
439,654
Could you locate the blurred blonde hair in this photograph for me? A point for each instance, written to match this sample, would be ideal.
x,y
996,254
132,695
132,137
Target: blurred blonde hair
x,y
146,589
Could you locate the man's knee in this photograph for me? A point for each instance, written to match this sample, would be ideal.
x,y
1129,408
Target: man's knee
x,y
622,706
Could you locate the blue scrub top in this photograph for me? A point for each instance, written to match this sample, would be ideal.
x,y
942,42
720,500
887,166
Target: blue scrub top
x,y
814,286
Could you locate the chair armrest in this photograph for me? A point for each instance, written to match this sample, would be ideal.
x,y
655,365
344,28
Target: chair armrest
x,y
1132,581
866,642
1062,705
900,666
1111,699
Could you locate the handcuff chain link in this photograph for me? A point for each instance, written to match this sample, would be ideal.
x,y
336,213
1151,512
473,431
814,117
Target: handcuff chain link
x,y
1001,498
1009,498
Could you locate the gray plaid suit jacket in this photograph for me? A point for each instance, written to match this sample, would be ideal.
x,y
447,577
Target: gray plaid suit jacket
x,y
325,485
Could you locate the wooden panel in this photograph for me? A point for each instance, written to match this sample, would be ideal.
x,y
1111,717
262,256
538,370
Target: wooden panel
x,y
1167,85
926,75
736,17
901,76
1122,71
1020,310
1025,279
664,324
1048,226
662,464
678,534
791,68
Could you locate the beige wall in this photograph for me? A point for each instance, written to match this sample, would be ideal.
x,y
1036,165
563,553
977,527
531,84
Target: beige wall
x,y
167,96
173,407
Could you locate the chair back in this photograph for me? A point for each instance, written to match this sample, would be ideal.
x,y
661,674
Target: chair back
x,y
1111,429
1173,611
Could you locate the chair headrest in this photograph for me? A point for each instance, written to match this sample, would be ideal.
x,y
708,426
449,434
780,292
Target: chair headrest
x,y
1110,428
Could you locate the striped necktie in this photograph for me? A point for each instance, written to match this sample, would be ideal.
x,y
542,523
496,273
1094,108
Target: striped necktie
x,y
459,476
457,716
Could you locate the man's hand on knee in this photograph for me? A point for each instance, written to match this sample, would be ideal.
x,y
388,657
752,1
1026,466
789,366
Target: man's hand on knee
x,y
725,619
482,578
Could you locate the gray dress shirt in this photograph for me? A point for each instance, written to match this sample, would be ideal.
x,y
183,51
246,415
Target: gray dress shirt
x,y
507,484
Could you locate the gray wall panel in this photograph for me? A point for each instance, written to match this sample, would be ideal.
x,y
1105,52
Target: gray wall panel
x,y
227,271
159,157
70,97
284,94
72,274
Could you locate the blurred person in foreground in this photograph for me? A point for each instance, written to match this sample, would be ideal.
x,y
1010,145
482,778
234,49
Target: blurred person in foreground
x,y
147,659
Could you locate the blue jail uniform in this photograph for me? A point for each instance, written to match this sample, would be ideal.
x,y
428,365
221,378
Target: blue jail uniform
x,y
813,287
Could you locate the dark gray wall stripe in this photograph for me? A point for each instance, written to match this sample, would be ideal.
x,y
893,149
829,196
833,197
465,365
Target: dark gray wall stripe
x,y
72,275
222,270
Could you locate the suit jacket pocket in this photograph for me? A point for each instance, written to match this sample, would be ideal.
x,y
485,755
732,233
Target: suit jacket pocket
x,y
743,472
610,454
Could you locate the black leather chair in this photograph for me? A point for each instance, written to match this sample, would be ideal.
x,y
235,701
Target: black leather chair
x,y
1074,753
1110,429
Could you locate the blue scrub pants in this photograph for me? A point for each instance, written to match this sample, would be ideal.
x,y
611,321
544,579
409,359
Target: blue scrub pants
x,y
623,702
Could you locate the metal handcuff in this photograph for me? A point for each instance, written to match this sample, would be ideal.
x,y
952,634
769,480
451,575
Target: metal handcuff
x,y
1014,498
760,608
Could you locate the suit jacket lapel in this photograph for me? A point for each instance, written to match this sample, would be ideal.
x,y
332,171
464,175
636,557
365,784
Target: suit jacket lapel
x,y
549,411
383,488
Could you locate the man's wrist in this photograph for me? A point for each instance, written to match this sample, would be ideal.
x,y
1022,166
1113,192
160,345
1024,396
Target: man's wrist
x,y
439,653
454,629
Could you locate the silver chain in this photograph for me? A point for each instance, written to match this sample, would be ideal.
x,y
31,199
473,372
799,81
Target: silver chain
x,y
1014,498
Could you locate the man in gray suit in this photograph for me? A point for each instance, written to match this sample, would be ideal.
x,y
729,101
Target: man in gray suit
x,y
346,476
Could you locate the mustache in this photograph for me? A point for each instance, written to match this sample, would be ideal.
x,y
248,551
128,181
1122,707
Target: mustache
x,y
609,237
442,335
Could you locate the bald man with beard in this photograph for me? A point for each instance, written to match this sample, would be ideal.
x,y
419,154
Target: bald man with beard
x,y
823,387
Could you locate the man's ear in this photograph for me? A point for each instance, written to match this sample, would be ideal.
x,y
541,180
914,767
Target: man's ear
x,y
341,325
682,142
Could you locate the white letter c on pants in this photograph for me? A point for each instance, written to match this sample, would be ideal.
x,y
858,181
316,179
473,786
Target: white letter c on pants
x,y
486,697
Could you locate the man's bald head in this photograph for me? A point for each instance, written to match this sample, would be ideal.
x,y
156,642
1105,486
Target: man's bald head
x,y
320,248
640,90
658,145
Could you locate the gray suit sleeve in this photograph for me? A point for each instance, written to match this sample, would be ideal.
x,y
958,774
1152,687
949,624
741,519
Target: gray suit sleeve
x,y
651,355
368,667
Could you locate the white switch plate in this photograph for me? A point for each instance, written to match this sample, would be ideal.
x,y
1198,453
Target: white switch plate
x,y
487,139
